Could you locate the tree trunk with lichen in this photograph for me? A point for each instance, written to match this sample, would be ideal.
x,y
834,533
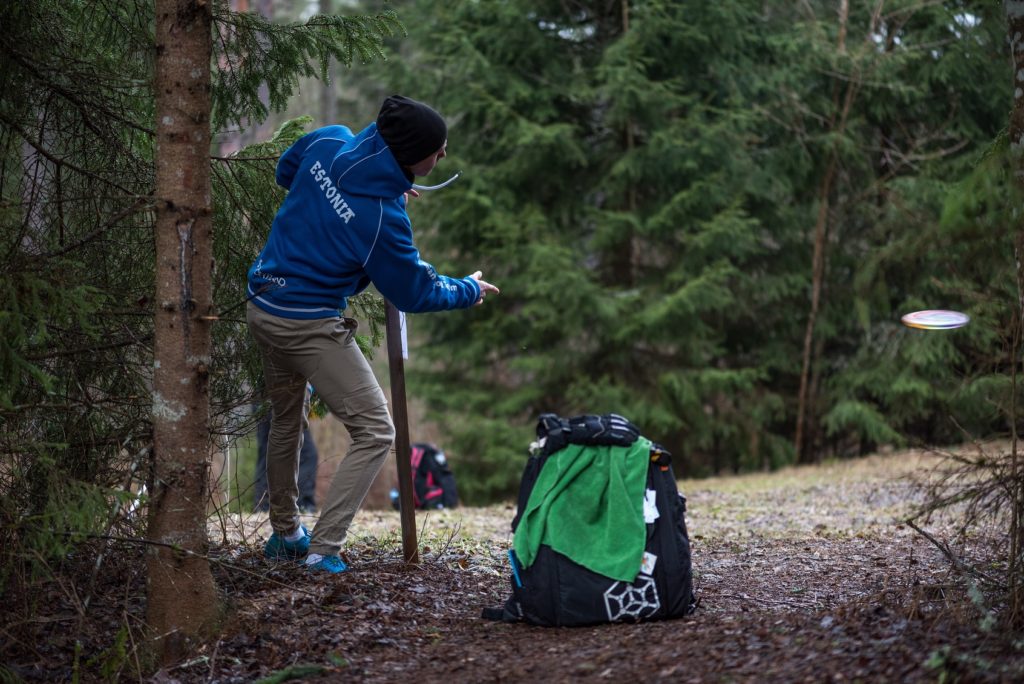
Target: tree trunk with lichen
x,y
182,601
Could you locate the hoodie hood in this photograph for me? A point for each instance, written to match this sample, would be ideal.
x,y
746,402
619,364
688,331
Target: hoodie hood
x,y
365,166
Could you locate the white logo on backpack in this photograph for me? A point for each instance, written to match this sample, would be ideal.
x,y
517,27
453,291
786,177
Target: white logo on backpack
x,y
650,506
632,601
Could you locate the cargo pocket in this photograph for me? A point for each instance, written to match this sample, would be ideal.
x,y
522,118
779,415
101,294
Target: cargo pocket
x,y
364,401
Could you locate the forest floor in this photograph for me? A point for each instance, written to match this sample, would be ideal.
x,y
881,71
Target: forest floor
x,y
807,574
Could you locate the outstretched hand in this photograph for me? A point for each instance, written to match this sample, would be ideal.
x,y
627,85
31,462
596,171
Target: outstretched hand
x,y
485,286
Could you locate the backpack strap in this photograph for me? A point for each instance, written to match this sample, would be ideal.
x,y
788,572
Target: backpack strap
x,y
552,432
416,456
510,612
660,456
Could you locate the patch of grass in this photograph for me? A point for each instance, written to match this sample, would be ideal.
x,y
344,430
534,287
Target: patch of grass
x,y
840,499
868,469
865,498
242,473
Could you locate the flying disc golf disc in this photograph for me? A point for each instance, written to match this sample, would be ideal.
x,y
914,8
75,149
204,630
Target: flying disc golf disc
x,y
936,319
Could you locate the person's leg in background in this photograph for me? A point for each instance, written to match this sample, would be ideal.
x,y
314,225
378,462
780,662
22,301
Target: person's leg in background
x,y
309,460
308,463
260,499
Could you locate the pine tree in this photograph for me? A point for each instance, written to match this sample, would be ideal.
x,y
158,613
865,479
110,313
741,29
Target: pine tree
x,y
78,212
75,127
934,104
604,189
643,180
1015,136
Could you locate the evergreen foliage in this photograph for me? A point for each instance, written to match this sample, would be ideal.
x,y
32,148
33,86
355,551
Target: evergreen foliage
x,y
642,180
74,150
254,54
77,262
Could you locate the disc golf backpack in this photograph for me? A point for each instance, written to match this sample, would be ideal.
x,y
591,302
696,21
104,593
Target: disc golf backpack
x,y
555,590
432,478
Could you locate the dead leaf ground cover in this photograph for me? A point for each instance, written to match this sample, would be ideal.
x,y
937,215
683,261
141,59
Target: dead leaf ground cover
x,y
802,575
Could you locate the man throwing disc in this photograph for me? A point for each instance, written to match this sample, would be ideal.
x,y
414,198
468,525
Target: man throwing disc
x,y
342,226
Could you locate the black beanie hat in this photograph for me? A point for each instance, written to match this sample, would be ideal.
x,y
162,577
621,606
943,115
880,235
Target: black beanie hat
x,y
412,130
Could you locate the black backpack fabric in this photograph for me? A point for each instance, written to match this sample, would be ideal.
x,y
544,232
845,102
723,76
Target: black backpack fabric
x,y
557,592
432,478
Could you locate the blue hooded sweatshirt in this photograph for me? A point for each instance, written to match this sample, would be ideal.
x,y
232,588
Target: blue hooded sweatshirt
x,y
342,225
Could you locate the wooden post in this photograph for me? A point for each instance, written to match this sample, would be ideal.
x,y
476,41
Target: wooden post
x,y
403,452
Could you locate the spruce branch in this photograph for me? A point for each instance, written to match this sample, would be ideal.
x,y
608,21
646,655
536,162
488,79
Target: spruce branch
x,y
53,158
141,204
252,52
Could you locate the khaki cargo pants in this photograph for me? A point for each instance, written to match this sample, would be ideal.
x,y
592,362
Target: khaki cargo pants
x,y
323,352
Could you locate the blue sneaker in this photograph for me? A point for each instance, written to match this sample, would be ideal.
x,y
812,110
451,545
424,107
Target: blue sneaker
x,y
331,564
278,547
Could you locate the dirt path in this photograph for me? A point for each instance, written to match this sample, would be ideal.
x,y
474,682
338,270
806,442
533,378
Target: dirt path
x,y
802,575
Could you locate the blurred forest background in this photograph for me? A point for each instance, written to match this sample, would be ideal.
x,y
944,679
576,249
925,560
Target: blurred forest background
x,y
708,217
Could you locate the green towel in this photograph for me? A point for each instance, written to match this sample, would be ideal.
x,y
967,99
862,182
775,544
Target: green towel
x,y
588,504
